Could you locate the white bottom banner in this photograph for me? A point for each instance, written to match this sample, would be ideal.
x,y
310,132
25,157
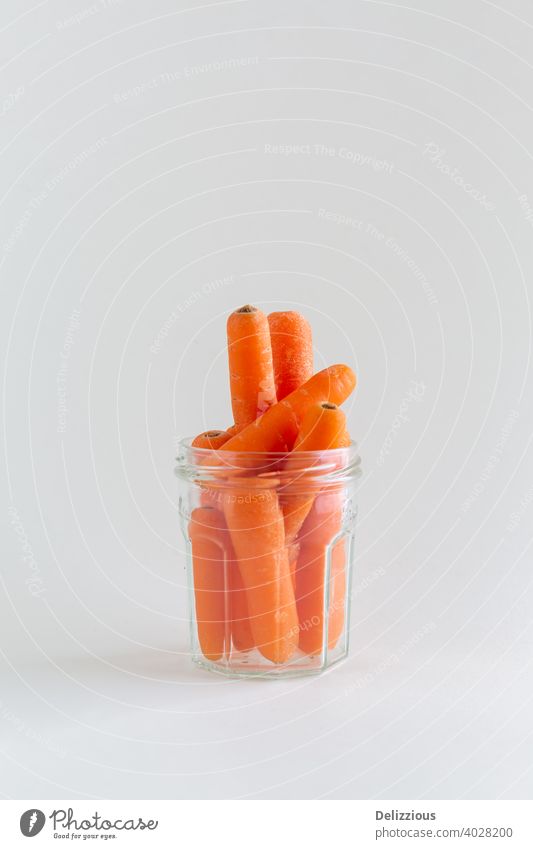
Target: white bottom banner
x,y
269,824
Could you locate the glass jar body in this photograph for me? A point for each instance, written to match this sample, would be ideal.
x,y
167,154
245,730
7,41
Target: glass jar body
x,y
269,558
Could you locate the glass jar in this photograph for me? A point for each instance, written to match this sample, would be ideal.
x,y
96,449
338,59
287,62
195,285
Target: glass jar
x,y
270,548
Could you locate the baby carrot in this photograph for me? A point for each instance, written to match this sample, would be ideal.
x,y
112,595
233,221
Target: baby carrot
x,y
277,429
255,523
323,427
208,554
251,369
212,439
292,350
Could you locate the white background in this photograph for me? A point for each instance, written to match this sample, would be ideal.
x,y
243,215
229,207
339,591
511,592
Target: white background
x,y
143,198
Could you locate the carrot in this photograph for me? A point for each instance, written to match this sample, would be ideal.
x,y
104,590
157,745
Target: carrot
x,y
209,556
277,429
241,632
212,439
322,525
234,429
217,601
255,523
337,591
292,350
333,384
251,369
323,427
345,441
293,550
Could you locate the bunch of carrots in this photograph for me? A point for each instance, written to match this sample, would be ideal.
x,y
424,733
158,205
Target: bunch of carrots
x,y
259,548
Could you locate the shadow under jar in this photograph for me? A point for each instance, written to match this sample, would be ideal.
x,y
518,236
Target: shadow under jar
x,y
270,548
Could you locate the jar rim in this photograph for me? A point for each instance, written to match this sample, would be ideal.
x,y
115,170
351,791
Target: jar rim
x,y
335,461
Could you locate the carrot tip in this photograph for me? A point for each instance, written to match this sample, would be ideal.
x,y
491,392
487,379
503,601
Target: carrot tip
x,y
247,308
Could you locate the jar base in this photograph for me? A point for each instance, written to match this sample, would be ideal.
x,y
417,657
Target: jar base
x,y
251,664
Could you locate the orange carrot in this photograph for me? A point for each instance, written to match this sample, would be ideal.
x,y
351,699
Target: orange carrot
x,y
322,525
219,593
212,439
323,427
277,429
208,554
255,523
241,632
333,384
251,369
345,441
337,590
234,429
292,350
293,550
